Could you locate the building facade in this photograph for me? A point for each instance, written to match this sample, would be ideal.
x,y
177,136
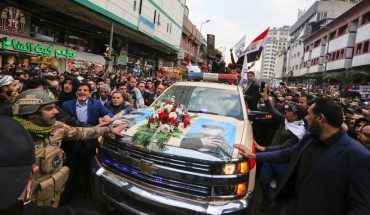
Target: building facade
x,y
310,21
141,34
342,45
276,41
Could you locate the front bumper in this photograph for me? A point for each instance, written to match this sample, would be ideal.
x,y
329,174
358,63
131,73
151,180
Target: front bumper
x,y
129,196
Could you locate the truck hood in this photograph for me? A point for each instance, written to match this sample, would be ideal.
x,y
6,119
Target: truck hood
x,y
208,137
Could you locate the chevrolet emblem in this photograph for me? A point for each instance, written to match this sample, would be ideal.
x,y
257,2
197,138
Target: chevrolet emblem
x,y
145,166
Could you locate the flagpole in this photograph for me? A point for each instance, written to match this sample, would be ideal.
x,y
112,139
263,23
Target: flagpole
x,y
244,80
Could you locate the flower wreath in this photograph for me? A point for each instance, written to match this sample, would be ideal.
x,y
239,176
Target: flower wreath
x,y
168,121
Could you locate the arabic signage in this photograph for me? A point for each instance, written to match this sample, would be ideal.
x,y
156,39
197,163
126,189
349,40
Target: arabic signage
x,y
13,21
39,48
146,26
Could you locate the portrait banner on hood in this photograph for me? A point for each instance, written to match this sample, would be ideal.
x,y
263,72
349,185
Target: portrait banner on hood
x,y
211,137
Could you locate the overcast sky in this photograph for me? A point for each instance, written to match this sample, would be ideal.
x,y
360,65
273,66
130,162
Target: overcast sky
x,y
232,19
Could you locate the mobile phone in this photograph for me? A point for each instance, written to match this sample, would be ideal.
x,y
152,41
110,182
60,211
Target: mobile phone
x,y
262,88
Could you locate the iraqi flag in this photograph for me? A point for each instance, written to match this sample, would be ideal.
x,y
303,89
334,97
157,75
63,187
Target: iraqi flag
x,y
254,49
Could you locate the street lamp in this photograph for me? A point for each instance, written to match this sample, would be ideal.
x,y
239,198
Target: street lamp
x,y
202,24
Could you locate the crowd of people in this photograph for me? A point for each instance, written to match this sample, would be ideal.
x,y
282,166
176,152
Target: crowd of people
x,y
65,113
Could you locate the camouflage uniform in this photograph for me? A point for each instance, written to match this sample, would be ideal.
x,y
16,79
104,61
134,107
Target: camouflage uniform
x,y
52,177
50,181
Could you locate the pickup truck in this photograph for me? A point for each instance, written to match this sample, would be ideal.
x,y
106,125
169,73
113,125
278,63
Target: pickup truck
x,y
190,176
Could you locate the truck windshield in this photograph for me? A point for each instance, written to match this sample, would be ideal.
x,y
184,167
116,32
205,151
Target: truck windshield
x,y
207,100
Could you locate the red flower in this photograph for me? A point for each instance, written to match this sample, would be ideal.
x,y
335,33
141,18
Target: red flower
x,y
152,120
176,123
173,110
186,121
168,103
178,103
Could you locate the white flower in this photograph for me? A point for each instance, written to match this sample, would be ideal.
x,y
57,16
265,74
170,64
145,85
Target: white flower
x,y
162,104
172,114
165,128
168,107
179,112
160,110
181,126
153,125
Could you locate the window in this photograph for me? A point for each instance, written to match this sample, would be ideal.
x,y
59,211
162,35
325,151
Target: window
x,y
342,54
366,46
155,16
159,17
168,25
342,30
317,43
332,35
359,47
365,18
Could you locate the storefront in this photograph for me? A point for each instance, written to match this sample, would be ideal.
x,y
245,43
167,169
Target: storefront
x,y
20,50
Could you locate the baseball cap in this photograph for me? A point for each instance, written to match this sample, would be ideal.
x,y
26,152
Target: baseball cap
x,y
17,155
297,109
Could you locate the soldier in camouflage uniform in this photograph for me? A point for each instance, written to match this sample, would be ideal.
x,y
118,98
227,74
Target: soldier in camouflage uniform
x,y
35,110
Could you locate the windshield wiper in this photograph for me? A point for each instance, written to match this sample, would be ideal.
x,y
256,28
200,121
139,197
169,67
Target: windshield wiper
x,y
202,111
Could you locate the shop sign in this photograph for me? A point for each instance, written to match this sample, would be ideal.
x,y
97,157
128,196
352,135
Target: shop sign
x,y
39,48
146,26
13,21
181,54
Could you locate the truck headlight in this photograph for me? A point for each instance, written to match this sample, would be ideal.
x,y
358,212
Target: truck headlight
x,y
229,168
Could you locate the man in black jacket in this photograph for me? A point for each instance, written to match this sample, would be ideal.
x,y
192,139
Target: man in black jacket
x,y
251,91
218,66
290,130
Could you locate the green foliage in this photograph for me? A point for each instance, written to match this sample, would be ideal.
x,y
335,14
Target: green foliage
x,y
144,135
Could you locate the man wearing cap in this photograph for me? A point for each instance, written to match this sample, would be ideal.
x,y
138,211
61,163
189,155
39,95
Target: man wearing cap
x,y
328,172
290,130
8,90
17,171
36,111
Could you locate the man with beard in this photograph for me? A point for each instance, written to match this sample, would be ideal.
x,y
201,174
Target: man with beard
x,y
251,91
17,172
364,135
218,66
8,90
135,92
328,172
36,112
69,89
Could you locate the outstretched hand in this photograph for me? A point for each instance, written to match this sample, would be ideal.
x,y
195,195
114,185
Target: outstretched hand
x,y
244,151
117,130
